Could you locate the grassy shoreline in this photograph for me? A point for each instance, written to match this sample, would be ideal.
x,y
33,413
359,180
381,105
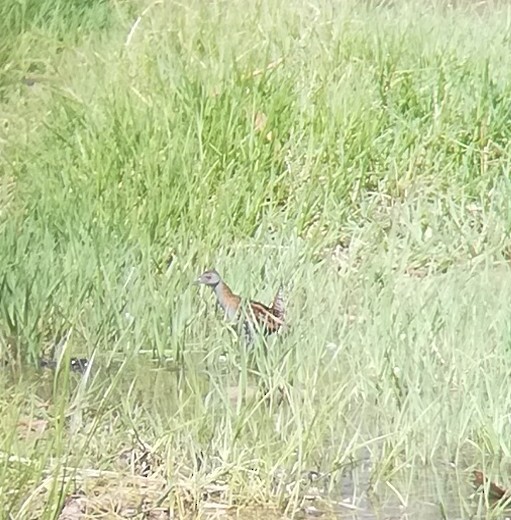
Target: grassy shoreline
x,y
358,154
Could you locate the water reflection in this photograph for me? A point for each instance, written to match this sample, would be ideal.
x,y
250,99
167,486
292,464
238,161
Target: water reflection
x,y
159,390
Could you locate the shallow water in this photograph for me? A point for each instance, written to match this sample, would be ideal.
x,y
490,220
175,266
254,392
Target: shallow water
x,y
431,493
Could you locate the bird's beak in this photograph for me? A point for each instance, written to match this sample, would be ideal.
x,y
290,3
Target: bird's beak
x,y
197,281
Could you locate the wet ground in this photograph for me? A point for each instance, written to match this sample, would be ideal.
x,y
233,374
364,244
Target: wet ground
x,y
443,491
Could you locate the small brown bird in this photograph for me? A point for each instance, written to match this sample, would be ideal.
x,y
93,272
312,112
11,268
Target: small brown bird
x,y
268,319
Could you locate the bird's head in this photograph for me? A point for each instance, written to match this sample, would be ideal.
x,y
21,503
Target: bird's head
x,y
210,278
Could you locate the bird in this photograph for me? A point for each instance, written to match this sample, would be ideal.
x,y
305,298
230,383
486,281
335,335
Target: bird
x,y
268,320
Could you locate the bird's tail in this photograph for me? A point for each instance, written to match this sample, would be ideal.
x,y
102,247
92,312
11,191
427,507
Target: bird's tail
x,y
278,306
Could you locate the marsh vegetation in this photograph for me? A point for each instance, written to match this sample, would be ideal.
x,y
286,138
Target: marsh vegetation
x,y
357,153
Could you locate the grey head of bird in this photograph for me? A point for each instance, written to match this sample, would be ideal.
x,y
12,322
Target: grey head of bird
x,y
210,278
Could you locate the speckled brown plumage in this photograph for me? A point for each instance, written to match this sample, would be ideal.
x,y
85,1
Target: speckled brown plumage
x,y
257,315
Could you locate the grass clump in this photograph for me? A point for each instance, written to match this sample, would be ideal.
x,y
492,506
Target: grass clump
x,y
357,153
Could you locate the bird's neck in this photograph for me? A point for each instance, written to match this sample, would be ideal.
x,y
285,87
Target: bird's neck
x,y
229,301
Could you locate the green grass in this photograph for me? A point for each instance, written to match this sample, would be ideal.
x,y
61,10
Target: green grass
x,y
377,190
